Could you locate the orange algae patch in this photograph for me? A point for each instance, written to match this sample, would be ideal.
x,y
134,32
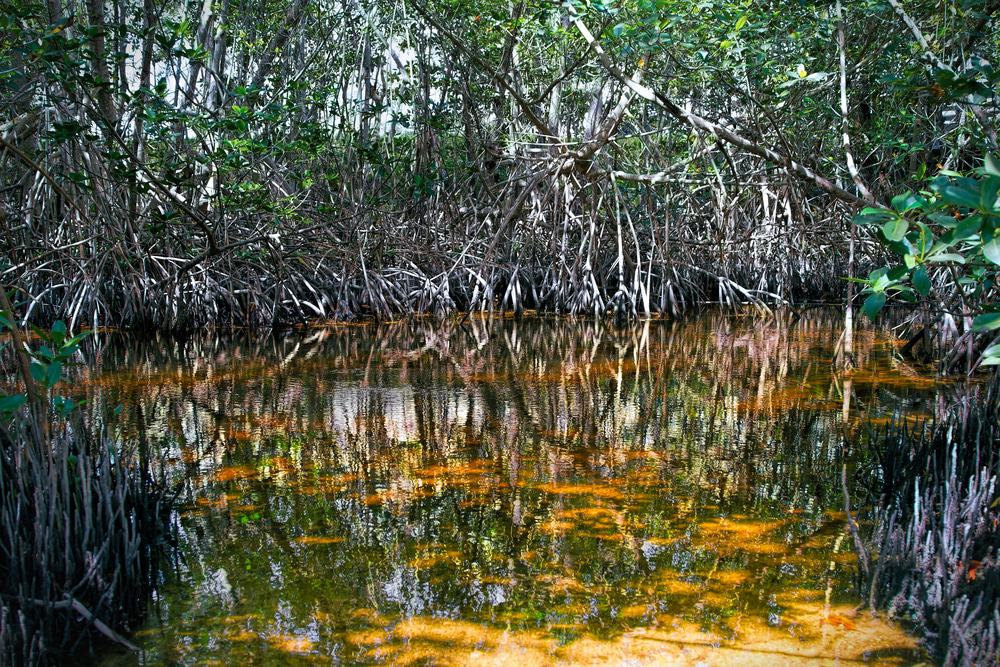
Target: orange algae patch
x,y
910,419
594,490
239,618
788,398
318,539
731,578
368,616
839,621
423,562
276,421
635,611
596,518
589,514
477,467
281,464
639,454
439,641
241,636
610,368
395,496
211,502
667,584
562,583
230,473
725,535
899,377
323,484
472,474
291,643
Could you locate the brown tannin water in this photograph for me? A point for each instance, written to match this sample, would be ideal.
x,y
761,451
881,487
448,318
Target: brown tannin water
x,y
539,491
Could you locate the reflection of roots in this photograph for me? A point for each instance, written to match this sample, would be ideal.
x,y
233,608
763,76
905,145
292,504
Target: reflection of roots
x,y
569,462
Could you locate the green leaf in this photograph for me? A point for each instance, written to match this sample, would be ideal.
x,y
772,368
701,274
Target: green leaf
x,y
991,250
75,340
895,230
871,216
986,322
991,355
988,193
922,239
53,373
37,372
921,281
12,403
992,165
873,304
946,257
907,202
897,273
942,219
877,273
959,196
881,283
968,228
942,245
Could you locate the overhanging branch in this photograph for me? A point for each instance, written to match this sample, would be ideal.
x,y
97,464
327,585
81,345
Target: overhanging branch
x,y
786,162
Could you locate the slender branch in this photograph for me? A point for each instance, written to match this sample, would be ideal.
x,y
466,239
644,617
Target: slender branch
x,y
844,109
525,106
700,123
43,172
934,61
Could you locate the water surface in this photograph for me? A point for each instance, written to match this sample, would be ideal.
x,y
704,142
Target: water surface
x,y
524,492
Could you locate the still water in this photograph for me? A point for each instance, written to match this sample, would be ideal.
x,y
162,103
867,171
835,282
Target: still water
x,y
521,492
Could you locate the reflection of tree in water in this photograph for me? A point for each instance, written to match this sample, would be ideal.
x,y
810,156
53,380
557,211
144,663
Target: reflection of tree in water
x,y
545,475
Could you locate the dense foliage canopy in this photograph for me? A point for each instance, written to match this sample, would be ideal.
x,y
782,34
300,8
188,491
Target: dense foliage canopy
x,y
172,164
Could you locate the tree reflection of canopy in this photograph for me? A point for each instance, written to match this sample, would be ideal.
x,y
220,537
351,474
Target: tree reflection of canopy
x,y
559,479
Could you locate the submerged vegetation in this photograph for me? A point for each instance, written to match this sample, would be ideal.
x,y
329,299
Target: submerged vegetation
x,y
539,491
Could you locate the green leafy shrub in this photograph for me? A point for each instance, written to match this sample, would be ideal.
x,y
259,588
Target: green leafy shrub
x,y
947,242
